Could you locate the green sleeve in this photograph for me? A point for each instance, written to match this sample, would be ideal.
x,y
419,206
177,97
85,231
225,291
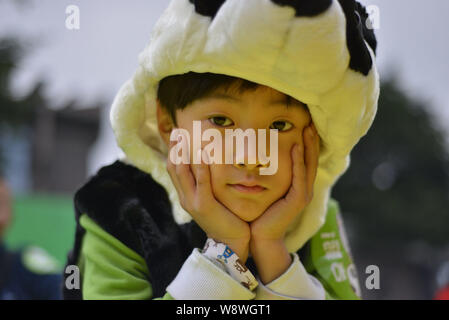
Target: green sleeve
x,y
328,258
109,269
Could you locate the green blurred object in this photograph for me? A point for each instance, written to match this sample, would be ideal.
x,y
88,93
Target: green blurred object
x,y
43,220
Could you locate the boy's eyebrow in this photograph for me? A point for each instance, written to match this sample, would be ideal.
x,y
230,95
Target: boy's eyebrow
x,y
223,96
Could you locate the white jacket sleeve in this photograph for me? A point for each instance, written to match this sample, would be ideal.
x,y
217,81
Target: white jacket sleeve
x,y
201,279
294,284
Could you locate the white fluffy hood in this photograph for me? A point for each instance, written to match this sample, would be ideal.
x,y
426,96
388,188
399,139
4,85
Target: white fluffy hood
x,y
317,51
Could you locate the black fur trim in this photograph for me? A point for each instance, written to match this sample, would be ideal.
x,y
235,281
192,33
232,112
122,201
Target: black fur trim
x,y
355,30
306,8
207,7
128,204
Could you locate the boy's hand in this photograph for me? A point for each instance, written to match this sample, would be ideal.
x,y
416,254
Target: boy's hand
x,y
192,181
272,224
267,244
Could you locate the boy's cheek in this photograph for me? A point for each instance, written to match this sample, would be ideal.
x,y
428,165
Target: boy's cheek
x,y
217,175
285,164
284,151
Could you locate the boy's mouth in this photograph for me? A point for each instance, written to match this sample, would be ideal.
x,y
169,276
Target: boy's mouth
x,y
247,188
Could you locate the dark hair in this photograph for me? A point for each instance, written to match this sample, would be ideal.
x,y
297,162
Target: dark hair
x,y
178,91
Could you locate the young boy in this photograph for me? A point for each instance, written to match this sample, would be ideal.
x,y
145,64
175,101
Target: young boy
x,y
151,227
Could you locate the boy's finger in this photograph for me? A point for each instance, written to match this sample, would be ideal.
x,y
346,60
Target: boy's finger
x,y
172,172
182,174
298,174
296,194
186,179
203,183
311,157
317,138
171,169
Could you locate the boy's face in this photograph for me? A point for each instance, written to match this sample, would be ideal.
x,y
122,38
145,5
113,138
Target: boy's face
x,y
263,108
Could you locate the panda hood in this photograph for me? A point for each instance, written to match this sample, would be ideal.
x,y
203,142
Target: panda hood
x,y
319,52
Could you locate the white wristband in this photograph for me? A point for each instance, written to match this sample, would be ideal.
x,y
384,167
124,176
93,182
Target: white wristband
x,y
234,266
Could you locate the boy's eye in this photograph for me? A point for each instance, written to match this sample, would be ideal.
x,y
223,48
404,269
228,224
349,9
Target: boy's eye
x,y
221,121
281,125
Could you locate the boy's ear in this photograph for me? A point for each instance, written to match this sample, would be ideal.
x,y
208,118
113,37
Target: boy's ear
x,y
164,122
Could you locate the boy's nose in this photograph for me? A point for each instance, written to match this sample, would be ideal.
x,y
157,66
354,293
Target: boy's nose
x,y
249,166
248,158
243,163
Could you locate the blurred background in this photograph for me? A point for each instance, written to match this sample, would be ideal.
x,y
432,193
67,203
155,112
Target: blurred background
x,y
57,84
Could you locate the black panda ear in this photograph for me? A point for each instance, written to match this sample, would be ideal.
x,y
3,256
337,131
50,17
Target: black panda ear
x,y
306,8
207,7
356,31
368,33
302,7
